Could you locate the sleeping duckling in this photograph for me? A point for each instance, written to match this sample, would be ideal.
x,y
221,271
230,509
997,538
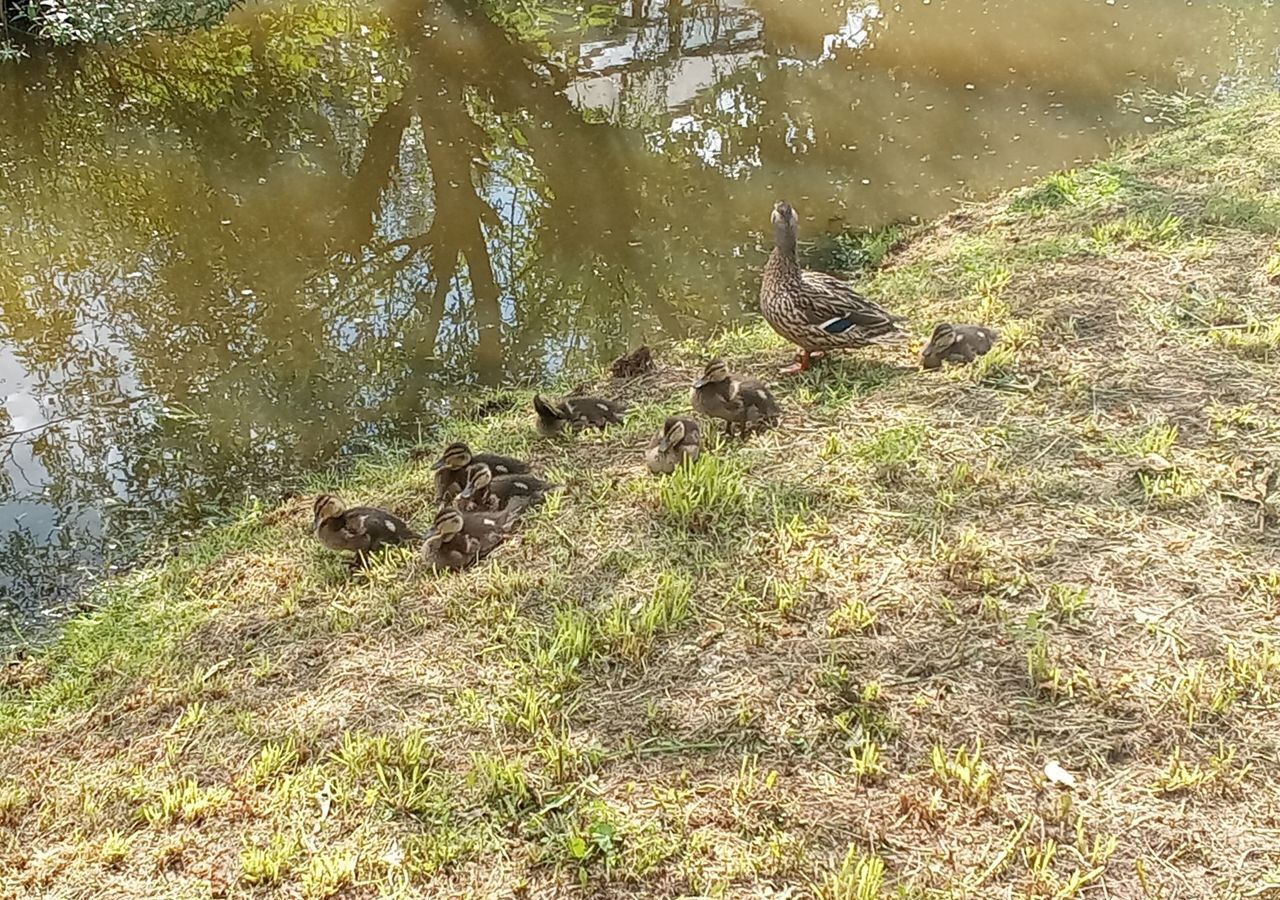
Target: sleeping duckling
x,y
678,439
744,402
451,468
485,490
577,413
361,530
957,343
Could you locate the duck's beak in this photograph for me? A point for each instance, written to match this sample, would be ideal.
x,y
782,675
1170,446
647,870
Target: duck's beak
x,y
437,465
430,534
466,493
700,383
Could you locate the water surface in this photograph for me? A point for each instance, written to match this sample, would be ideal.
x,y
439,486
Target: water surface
x,y
230,255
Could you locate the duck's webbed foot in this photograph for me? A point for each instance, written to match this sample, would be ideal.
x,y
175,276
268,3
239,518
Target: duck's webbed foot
x,y
802,362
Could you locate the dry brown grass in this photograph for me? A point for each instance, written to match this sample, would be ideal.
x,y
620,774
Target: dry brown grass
x,y
835,661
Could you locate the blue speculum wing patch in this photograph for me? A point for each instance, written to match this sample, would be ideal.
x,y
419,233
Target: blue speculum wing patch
x,y
837,326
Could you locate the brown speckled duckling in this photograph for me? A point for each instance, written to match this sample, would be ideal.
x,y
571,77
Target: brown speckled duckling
x,y
457,540
745,402
361,530
577,413
678,439
447,545
957,343
451,468
486,491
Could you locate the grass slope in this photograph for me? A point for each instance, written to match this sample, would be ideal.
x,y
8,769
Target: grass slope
x,y
856,657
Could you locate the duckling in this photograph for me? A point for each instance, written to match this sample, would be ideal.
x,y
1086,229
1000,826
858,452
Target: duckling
x,y
678,439
957,344
493,527
744,402
451,468
458,539
362,530
577,413
447,545
638,362
485,490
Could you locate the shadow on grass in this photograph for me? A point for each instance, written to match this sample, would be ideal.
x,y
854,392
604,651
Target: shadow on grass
x,y
834,381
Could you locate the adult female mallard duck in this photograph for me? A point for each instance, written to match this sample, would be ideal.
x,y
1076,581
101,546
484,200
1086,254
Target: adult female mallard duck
x,y
744,402
361,530
451,468
814,311
486,491
577,413
678,439
957,343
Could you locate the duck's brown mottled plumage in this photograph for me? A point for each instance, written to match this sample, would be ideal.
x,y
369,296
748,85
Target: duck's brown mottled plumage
x,y
814,311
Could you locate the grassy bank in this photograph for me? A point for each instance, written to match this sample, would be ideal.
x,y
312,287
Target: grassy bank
x,y
1009,630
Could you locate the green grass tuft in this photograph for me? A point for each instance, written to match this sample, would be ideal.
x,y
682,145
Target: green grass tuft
x,y
710,495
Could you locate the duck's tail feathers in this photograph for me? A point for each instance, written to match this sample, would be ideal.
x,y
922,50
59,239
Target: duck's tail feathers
x,y
894,336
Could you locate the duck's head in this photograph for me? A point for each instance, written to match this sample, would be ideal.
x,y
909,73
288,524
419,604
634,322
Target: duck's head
x,y
446,526
673,431
456,456
715,372
546,411
941,330
552,417
478,478
327,506
786,225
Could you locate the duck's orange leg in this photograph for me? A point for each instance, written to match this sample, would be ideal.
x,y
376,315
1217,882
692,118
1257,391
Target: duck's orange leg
x,y
802,362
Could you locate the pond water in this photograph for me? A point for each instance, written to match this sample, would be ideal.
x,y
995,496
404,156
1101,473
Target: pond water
x,y
231,255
